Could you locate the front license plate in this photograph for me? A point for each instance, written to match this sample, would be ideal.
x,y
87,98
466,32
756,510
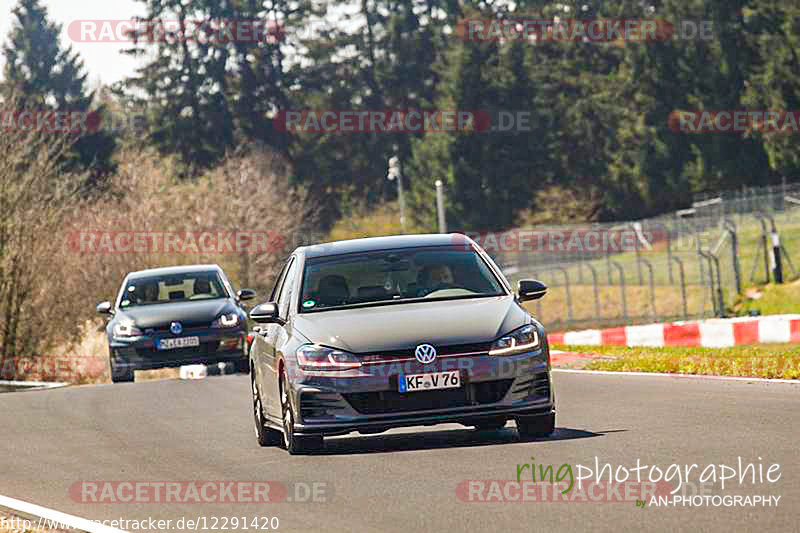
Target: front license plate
x,y
432,381
180,342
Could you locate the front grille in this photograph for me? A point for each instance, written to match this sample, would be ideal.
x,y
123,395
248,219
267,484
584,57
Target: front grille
x,y
385,402
441,351
205,349
186,326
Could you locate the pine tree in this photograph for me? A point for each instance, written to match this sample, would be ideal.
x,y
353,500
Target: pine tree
x,y
40,75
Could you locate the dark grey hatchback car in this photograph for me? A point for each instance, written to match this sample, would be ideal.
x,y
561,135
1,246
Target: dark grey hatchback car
x,y
372,334
174,316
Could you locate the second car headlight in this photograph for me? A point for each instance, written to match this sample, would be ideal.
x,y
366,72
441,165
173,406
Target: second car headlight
x,y
520,340
314,357
227,320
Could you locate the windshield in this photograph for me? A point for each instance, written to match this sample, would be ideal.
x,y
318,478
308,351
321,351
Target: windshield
x,y
395,276
188,286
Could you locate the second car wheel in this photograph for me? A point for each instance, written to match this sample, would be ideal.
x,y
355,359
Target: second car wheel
x,y
120,375
294,444
532,427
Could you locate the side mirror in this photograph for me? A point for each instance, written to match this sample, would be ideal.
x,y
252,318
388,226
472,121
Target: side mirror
x,y
266,314
245,294
530,289
104,308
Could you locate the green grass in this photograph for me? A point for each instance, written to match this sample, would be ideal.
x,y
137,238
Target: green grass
x,y
774,300
771,361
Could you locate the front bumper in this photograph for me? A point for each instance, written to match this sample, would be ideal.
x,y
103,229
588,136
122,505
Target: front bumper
x,y
216,346
367,399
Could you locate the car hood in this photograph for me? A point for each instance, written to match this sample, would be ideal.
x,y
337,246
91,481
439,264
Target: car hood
x,y
404,326
147,316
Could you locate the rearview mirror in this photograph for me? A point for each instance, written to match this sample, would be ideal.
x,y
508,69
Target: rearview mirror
x,y
530,289
104,308
245,294
266,314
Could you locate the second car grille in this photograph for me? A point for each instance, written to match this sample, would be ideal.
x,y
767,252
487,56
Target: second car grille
x,y
384,402
205,348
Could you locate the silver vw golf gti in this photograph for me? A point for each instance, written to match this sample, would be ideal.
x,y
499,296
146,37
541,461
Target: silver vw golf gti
x,y
372,334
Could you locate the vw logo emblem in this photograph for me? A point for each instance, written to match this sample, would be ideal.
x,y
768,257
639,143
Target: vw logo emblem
x,y
425,354
176,328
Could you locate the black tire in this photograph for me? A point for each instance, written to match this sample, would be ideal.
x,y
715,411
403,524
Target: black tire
x,y
490,425
294,444
536,427
121,375
241,366
265,435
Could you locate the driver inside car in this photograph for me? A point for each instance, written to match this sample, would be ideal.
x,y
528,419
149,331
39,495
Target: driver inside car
x,y
435,277
149,292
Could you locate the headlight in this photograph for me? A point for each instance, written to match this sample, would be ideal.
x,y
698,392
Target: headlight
x,y
520,340
226,321
127,330
313,357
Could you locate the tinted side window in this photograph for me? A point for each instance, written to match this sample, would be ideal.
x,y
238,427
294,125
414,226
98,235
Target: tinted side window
x,y
287,288
278,281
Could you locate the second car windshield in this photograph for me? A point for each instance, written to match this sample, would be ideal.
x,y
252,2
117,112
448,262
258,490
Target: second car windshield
x,y
394,275
189,286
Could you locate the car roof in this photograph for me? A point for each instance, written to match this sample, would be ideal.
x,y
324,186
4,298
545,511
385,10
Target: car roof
x,y
371,244
166,271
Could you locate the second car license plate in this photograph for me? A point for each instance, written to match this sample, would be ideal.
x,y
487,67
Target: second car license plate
x,y
180,342
432,381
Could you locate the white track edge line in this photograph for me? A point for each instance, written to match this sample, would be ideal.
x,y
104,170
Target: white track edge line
x,y
31,384
62,519
677,376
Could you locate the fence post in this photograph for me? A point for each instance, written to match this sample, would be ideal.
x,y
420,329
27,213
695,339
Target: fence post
x,y
669,252
652,288
777,272
718,299
683,288
638,254
596,293
731,227
765,245
622,289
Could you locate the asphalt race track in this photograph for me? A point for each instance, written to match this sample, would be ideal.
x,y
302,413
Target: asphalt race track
x,y
404,481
